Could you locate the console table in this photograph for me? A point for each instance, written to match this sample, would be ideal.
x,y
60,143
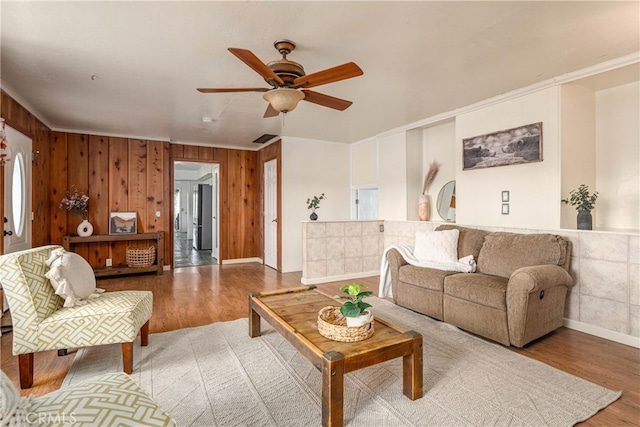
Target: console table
x,y
158,237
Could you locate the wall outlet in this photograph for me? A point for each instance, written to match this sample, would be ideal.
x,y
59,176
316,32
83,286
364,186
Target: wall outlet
x,y
108,262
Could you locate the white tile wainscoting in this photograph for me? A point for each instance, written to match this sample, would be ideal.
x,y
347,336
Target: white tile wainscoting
x,y
340,250
605,265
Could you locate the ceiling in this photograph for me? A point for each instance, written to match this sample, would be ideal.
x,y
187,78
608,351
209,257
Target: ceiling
x,y
132,68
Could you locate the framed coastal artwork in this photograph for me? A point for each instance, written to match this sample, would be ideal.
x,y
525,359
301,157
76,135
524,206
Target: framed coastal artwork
x,y
123,223
514,146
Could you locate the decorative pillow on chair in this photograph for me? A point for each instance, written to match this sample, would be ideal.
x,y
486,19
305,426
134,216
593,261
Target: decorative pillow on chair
x,y
437,246
72,277
13,408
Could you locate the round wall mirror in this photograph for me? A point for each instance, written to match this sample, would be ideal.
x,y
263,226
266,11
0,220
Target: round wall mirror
x,y
446,203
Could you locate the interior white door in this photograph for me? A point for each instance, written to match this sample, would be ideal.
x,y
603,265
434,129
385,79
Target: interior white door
x,y
17,192
270,214
367,203
215,250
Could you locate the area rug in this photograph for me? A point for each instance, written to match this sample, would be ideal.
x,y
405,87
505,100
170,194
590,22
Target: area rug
x,y
216,375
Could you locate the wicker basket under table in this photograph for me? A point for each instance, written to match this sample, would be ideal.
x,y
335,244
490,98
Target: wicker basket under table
x,y
141,257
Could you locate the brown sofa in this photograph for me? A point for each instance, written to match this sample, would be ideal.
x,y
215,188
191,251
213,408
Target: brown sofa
x,y
516,295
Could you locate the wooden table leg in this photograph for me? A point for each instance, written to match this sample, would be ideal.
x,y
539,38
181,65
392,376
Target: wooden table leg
x,y
254,318
333,389
412,368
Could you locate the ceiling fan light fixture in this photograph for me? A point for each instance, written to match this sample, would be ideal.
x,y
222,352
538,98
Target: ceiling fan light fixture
x,y
283,99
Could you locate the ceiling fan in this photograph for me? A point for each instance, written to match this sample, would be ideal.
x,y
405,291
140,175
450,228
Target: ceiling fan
x,y
289,83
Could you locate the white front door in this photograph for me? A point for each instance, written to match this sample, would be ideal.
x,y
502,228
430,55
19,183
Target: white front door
x,y
270,214
17,192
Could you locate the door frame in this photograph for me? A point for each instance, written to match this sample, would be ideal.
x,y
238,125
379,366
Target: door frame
x,y
265,222
272,152
221,212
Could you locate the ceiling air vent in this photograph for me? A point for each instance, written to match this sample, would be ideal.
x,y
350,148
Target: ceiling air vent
x,y
264,138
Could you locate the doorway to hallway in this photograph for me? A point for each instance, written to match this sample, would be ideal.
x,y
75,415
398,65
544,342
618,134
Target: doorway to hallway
x,y
196,213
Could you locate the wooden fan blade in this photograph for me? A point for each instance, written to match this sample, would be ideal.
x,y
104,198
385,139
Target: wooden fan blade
x,y
326,100
232,89
330,75
256,65
271,112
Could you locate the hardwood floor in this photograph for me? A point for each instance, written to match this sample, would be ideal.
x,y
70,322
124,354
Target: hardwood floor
x,y
195,296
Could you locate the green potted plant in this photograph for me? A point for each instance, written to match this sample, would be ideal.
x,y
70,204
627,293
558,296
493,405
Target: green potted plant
x,y
584,202
313,204
354,309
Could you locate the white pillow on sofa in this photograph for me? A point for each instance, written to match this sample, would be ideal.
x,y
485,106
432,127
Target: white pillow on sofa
x,y
71,276
437,246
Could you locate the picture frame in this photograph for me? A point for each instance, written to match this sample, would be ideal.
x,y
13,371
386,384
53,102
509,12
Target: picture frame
x,y
123,223
522,144
505,209
505,196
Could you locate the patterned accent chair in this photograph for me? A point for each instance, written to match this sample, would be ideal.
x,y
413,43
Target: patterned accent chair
x,y
40,322
107,400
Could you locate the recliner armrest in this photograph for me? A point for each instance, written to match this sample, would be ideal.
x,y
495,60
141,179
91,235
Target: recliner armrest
x,y
396,261
538,277
535,301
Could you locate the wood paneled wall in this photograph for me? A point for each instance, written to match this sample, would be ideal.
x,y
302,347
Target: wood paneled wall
x,y
121,174
118,175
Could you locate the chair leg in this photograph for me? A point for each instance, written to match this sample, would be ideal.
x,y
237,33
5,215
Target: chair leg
x,y
144,334
25,369
127,357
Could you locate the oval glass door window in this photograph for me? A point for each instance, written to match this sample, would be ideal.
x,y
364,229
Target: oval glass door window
x,y
18,191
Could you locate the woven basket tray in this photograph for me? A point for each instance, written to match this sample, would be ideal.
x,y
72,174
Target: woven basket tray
x,y
333,325
141,257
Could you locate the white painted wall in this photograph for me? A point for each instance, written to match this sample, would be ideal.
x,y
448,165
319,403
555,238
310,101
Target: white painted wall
x,y
439,145
534,187
392,177
364,164
310,168
618,157
578,146
415,177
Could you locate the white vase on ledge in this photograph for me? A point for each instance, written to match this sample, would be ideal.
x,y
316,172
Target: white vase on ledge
x,y
85,229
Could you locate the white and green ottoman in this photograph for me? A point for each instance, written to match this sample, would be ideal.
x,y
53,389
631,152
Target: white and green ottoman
x,y
107,400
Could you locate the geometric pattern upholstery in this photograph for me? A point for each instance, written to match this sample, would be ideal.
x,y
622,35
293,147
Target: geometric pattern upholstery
x,y
107,400
40,322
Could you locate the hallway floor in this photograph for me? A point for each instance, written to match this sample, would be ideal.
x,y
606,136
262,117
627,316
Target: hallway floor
x,y
185,255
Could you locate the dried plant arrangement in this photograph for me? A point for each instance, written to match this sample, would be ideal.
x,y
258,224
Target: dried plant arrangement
x,y
434,167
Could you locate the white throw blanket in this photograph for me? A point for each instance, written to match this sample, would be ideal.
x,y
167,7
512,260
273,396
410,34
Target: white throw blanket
x,y
464,265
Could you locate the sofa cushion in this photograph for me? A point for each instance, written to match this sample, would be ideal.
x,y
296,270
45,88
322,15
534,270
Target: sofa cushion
x,y
423,277
479,288
470,240
108,399
437,246
503,253
115,317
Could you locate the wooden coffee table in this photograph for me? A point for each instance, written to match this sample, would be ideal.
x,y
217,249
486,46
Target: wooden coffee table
x,y
294,312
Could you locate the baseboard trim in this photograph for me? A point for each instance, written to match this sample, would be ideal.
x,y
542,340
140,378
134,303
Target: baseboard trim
x,y
602,333
241,260
318,280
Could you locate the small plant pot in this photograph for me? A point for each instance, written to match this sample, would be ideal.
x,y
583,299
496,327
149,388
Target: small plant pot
x,y
355,322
